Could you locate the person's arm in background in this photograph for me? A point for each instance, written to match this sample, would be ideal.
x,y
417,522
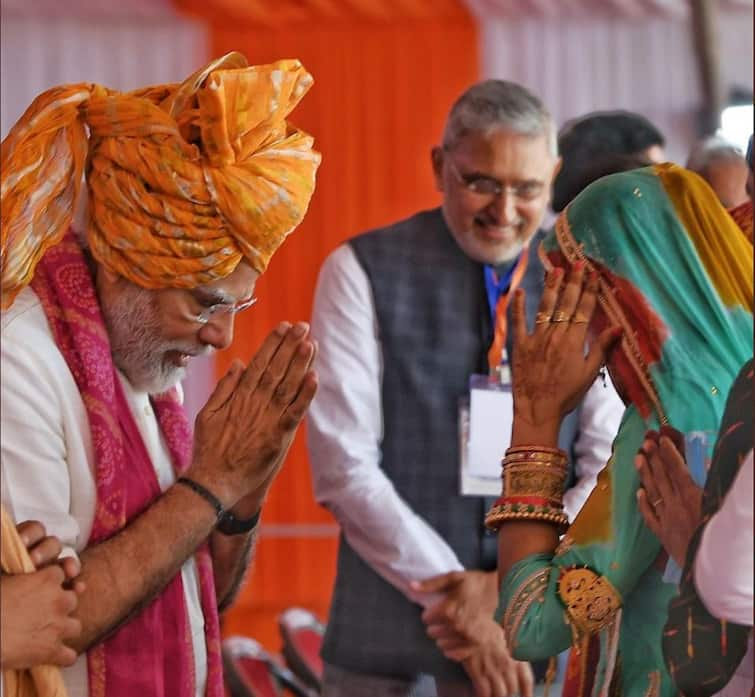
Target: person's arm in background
x,y
727,543
344,431
599,419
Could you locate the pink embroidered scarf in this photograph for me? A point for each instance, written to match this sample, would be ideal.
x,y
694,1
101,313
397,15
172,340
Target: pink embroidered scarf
x,y
151,655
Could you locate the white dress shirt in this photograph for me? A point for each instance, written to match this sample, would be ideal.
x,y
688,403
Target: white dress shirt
x,y
47,456
723,568
345,430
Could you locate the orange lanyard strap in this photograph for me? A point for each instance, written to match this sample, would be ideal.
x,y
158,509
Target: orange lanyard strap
x,y
497,348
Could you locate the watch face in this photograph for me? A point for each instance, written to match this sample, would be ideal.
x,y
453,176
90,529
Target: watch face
x,y
229,524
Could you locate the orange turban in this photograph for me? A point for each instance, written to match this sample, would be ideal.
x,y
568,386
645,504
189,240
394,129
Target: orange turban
x,y
184,180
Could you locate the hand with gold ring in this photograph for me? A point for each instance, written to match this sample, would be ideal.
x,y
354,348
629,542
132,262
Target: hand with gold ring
x,y
551,372
669,500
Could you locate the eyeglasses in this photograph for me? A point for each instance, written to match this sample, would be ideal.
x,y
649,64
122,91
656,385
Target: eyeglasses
x,y
220,309
487,186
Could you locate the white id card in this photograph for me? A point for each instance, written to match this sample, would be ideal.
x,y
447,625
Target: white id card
x,y
485,432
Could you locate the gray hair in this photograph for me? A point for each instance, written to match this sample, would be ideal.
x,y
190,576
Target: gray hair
x,y
711,150
491,105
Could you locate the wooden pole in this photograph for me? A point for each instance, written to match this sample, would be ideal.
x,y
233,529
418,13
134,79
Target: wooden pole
x,y
704,28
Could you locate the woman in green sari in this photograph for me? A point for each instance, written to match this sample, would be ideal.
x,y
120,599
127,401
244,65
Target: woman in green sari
x,y
653,253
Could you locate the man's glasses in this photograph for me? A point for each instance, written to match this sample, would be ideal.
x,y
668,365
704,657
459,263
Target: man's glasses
x,y
487,186
220,309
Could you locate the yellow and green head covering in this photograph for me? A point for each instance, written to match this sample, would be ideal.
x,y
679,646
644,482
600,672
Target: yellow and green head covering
x,y
675,270
184,180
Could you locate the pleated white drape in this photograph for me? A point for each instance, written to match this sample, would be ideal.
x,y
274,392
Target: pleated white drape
x,y
627,9
578,64
38,51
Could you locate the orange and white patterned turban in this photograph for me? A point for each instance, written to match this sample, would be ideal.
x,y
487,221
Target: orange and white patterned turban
x,y
184,180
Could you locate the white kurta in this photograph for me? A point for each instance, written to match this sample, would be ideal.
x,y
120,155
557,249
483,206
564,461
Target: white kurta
x,y
723,568
47,457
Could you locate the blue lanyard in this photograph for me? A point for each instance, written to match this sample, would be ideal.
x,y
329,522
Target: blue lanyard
x,y
496,288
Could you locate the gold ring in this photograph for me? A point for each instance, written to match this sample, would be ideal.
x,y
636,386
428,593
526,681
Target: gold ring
x,y
657,503
560,316
579,318
542,318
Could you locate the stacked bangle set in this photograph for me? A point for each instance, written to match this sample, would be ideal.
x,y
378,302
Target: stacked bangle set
x,y
533,487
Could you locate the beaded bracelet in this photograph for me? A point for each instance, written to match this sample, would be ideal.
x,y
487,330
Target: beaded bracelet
x,y
516,511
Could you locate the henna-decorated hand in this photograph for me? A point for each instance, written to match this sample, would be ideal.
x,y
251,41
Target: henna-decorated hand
x,y
551,371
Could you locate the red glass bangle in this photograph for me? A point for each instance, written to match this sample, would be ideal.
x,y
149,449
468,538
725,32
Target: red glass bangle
x,y
529,500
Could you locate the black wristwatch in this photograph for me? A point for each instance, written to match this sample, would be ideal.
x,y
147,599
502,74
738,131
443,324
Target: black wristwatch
x,y
229,524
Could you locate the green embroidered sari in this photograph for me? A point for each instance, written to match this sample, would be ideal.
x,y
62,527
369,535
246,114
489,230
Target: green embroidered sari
x,y
676,272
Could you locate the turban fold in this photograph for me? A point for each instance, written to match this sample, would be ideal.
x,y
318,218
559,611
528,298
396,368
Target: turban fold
x,y
184,180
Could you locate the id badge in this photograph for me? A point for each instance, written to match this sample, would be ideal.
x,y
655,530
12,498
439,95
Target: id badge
x,y
485,421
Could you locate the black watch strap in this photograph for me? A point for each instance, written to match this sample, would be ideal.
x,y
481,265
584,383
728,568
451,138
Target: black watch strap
x,y
229,524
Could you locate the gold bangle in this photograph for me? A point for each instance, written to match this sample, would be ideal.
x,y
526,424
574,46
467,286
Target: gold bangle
x,y
496,520
534,454
545,514
537,464
535,448
547,483
534,471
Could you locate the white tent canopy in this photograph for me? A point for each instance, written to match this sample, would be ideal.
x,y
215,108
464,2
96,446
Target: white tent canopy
x,y
590,9
587,55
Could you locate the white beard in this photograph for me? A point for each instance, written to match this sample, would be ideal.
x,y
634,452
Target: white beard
x,y
137,347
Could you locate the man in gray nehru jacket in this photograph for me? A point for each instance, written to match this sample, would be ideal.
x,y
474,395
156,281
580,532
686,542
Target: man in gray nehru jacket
x,y
404,317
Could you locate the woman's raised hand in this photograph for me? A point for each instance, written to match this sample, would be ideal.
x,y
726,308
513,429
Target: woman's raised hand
x,y
551,370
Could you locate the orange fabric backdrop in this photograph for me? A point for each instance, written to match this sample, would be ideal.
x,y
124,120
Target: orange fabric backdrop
x,y
384,81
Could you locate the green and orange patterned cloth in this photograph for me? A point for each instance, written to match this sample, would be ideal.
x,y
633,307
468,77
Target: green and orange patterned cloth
x,y
676,273
702,651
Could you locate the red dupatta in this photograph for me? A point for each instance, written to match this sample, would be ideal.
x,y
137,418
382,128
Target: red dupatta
x,y
151,655
742,215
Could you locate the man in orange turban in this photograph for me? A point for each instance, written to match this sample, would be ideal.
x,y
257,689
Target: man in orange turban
x,y
191,188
